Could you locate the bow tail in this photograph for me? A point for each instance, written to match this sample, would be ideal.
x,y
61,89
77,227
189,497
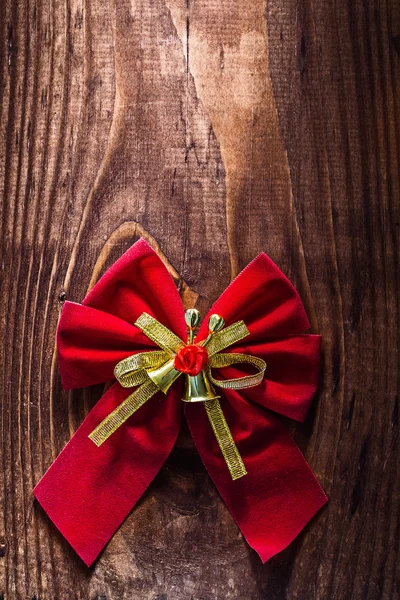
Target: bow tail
x,y
89,490
279,494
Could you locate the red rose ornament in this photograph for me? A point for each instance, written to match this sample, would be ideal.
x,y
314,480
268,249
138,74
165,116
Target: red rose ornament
x,y
191,359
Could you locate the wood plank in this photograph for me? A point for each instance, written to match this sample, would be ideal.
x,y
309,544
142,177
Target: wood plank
x,y
216,130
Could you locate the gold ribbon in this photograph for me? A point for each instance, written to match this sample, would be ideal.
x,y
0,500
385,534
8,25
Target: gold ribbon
x,y
154,371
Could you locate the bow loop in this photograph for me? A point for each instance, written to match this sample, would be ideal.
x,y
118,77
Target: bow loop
x,y
225,360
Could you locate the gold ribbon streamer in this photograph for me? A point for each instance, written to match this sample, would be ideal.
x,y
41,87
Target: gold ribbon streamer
x,y
225,440
160,334
139,370
123,412
228,336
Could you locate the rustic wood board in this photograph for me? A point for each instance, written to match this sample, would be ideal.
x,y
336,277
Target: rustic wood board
x,y
216,129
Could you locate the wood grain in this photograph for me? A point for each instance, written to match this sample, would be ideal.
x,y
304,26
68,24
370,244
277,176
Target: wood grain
x,y
216,129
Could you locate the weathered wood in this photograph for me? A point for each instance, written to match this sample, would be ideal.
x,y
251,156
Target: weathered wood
x,y
217,129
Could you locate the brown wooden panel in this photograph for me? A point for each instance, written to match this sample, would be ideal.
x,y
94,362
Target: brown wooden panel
x,y
216,129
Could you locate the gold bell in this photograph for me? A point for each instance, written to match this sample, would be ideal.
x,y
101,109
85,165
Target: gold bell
x,y
199,388
165,375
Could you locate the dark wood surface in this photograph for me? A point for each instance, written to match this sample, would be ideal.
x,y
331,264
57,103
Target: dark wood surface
x,y
216,129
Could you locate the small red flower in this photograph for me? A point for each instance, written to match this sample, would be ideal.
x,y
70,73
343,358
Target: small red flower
x,y
191,359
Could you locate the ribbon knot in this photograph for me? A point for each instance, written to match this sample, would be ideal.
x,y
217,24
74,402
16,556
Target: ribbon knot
x,y
154,371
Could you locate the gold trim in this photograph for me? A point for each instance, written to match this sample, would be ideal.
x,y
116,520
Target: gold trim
x,y
224,438
221,360
160,334
132,371
123,412
222,339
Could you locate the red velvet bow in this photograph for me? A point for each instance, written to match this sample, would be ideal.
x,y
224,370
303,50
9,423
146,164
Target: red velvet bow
x,y
88,491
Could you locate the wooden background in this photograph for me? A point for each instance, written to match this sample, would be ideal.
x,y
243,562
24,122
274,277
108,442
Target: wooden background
x,y
216,129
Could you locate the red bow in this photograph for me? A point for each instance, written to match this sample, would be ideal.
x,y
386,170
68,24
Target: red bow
x,y
89,490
